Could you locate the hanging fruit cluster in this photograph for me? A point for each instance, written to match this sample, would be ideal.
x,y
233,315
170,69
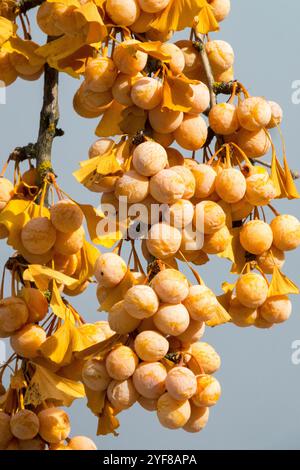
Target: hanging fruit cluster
x,y
211,195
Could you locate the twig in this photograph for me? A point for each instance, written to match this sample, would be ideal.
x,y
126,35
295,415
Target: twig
x,y
207,68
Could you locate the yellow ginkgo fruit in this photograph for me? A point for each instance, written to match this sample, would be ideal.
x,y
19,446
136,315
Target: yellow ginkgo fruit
x,y
54,425
172,413
27,341
149,379
123,12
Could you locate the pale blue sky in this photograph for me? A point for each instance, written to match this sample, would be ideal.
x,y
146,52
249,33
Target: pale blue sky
x,y
260,405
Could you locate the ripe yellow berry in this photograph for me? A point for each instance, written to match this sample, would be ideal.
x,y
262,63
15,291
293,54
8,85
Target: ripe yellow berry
x,y
231,185
173,414
141,302
13,315
208,391
90,104
6,192
193,333
47,16
252,290
5,432
32,444
151,346
188,180
254,143
81,443
221,9
167,186
146,325
149,158
261,323
209,216
271,258
192,132
177,60
27,341
163,240
110,269
225,76
121,363
181,383
172,319
24,424
206,358
180,214
54,425
148,403
286,232
66,216
223,119
143,23
69,243
163,139
217,242
133,186
260,189
276,309
256,237
242,316
120,321
36,302
240,210
220,55
200,98
205,177
122,394
95,376
254,113
121,89
198,419
100,74
201,303
123,12
277,115
153,6
128,60
149,379
193,64
164,120
147,92
38,235
171,286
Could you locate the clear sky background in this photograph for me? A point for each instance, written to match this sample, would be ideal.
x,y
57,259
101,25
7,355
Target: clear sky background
x,y
260,404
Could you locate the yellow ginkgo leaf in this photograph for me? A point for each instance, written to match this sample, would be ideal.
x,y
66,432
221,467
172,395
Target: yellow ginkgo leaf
x,y
281,284
75,63
58,347
117,293
206,20
59,308
220,317
180,14
107,423
92,217
26,48
46,385
228,252
177,93
108,164
61,48
239,253
95,400
110,121
151,48
290,185
224,299
7,29
133,120
42,275
67,3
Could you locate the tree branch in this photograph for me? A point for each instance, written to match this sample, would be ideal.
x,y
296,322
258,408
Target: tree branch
x,y
207,68
48,122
